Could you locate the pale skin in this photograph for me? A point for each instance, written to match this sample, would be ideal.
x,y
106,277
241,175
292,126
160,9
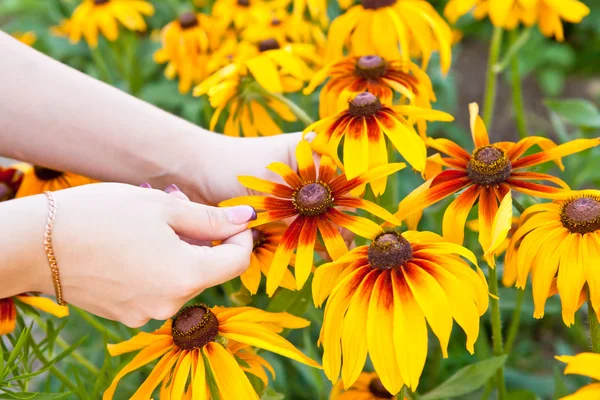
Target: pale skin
x,y
119,247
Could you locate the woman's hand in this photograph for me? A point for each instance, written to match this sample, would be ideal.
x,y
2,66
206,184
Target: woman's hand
x,y
120,250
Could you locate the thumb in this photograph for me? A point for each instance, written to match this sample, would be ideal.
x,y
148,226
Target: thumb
x,y
200,222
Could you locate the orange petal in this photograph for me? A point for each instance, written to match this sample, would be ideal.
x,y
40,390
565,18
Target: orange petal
x,y
334,242
283,254
265,186
306,164
355,224
457,213
289,176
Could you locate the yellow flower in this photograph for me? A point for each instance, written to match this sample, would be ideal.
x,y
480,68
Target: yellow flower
x,y
586,364
560,239
192,344
508,14
363,125
103,16
37,180
28,38
392,29
367,387
382,295
8,310
239,14
185,46
317,9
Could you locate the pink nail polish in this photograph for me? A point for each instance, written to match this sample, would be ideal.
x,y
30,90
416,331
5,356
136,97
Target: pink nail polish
x,y
172,188
146,185
240,214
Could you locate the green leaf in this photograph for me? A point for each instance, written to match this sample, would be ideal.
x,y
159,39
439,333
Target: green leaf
x,y
578,112
271,394
466,380
560,389
522,395
17,349
34,395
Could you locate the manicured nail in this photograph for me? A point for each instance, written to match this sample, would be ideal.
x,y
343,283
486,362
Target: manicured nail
x,y
240,214
146,185
309,137
172,188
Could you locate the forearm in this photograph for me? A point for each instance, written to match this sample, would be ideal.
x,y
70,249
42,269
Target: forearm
x,y
60,118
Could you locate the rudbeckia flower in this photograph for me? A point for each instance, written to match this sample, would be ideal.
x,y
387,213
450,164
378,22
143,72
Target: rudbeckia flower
x,y
373,74
196,341
37,180
185,46
10,181
391,28
382,295
314,201
8,310
103,16
367,387
317,9
266,239
488,174
560,239
239,14
508,14
363,125
586,364
28,38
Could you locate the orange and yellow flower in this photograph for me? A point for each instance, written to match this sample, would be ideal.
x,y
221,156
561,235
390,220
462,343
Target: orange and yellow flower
x,y
586,364
488,174
392,29
314,201
508,14
381,298
374,74
560,239
37,180
28,38
197,341
367,387
363,125
8,310
92,17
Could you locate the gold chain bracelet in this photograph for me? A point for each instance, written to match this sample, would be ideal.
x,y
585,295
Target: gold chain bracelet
x,y
52,207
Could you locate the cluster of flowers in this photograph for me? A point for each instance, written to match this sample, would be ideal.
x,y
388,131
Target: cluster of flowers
x,y
380,297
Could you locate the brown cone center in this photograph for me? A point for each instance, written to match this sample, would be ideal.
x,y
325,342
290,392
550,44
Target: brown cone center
x,y
243,3
99,2
375,4
581,215
46,174
6,192
489,166
258,238
364,104
193,327
268,44
312,199
275,21
389,250
370,67
188,20
378,390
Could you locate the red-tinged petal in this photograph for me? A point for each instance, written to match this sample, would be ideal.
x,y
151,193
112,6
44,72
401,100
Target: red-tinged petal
x,y
356,148
449,148
327,169
288,175
535,176
265,186
341,187
260,203
538,190
334,242
306,164
306,251
488,206
516,150
270,216
378,211
8,316
557,152
457,213
447,176
355,224
229,377
326,277
478,130
283,254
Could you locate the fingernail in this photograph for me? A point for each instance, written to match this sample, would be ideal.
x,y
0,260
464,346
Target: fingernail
x,y
310,136
240,214
146,185
172,188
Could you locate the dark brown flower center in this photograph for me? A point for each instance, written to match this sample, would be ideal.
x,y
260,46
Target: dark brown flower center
x,y
268,44
194,326
6,192
258,238
581,215
370,67
243,3
389,250
275,21
99,2
364,104
188,20
375,4
376,388
46,174
312,199
489,166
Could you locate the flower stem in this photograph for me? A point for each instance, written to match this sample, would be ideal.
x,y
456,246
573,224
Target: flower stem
x,y
594,325
515,321
490,91
402,394
98,325
298,112
517,91
497,331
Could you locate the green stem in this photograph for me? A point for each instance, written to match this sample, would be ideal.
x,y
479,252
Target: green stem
x,y
518,206
515,321
517,91
516,44
64,379
98,325
594,325
100,62
497,331
490,91
402,394
298,112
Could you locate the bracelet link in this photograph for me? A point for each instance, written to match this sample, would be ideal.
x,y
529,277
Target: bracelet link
x,y
52,208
